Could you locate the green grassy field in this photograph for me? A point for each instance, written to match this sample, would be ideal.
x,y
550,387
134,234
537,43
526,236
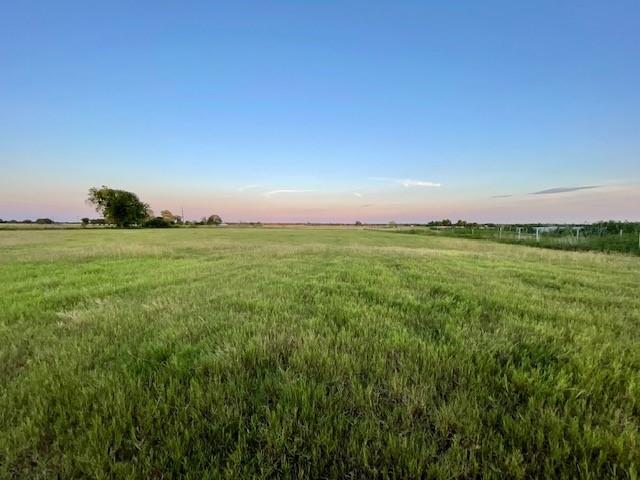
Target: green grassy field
x,y
314,353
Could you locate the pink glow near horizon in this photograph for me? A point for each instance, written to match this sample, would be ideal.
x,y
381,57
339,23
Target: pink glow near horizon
x,y
615,202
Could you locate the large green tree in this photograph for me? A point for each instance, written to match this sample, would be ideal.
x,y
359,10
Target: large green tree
x,y
118,207
214,220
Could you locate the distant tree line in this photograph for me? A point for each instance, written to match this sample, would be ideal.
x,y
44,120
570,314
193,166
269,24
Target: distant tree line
x,y
611,226
445,222
92,221
600,227
40,221
124,209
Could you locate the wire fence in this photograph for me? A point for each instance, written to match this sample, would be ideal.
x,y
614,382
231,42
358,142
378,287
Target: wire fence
x,y
561,238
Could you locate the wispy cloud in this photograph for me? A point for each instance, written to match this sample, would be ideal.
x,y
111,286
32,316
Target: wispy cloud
x,y
278,192
418,183
550,191
357,194
408,182
366,205
501,196
244,188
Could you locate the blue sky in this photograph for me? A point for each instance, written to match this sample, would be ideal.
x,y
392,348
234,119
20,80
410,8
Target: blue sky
x,y
323,111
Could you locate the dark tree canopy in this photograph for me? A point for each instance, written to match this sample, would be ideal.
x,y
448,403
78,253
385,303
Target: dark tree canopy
x,y
157,222
118,207
214,220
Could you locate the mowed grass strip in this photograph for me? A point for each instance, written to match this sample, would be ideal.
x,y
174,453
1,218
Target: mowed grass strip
x,y
314,353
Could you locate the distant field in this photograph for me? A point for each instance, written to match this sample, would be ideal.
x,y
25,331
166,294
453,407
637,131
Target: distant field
x,y
314,353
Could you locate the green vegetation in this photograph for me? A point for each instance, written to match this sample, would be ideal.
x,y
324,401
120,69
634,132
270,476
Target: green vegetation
x,y
589,238
119,207
314,353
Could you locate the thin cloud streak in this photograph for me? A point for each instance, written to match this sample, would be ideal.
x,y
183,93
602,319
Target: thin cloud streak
x,y
551,191
278,192
408,182
501,196
356,194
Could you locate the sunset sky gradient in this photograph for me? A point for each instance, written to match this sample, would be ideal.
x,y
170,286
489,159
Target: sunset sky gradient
x,y
323,111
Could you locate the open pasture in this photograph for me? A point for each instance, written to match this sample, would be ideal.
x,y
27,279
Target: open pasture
x,y
314,353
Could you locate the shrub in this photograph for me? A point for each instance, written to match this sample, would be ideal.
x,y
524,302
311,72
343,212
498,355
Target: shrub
x,y
157,222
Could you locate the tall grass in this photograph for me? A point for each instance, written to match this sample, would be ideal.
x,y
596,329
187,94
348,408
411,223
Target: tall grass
x,y
627,242
302,353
